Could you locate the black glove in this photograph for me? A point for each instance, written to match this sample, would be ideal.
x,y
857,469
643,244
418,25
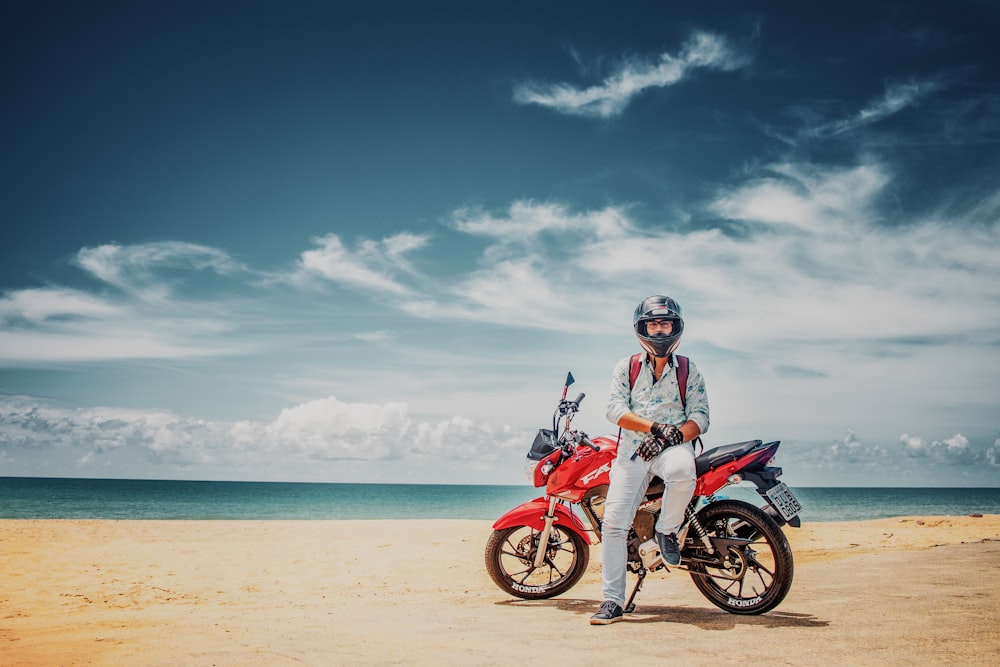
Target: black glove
x,y
650,448
669,433
660,437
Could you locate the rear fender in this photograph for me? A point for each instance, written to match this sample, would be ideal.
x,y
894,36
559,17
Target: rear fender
x,y
532,514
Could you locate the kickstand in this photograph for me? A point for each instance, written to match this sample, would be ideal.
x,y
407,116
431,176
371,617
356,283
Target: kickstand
x,y
630,603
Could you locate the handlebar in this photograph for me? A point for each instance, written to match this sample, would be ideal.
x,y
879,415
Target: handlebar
x,y
573,439
569,407
569,439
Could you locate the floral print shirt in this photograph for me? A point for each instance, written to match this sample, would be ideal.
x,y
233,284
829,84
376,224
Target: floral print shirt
x,y
659,401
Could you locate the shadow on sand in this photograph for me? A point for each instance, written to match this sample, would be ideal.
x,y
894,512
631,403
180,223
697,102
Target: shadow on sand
x,y
708,618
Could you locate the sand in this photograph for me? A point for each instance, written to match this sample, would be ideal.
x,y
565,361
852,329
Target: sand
x,y
897,591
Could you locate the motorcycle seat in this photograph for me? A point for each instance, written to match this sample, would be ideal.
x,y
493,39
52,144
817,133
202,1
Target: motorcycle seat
x,y
722,455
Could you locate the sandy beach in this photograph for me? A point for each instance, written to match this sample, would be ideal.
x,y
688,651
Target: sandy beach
x,y
897,591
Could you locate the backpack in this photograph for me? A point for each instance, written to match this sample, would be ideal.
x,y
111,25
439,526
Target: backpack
x,y
635,365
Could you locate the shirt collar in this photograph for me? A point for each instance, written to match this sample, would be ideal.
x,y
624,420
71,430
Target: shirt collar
x,y
647,359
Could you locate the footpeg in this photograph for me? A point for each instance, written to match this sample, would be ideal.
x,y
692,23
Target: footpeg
x,y
649,552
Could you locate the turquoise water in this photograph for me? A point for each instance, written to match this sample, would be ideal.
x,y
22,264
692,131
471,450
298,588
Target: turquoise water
x,y
57,498
857,504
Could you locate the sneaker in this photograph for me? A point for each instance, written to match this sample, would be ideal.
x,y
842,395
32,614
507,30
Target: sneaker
x,y
669,549
610,612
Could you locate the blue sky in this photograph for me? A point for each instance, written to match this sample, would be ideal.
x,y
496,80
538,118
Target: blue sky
x,y
365,241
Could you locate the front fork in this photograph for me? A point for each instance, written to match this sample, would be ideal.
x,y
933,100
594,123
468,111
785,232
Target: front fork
x,y
543,538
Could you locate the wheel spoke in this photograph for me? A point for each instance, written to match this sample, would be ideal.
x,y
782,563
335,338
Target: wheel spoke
x,y
760,569
512,553
763,582
554,568
527,573
514,550
758,566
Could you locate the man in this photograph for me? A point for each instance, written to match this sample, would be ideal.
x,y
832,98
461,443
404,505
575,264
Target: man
x,y
652,406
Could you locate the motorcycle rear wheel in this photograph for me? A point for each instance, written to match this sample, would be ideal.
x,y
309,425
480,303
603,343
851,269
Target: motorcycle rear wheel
x,y
510,556
760,574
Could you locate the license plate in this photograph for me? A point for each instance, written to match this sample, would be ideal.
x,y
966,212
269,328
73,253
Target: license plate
x,y
783,500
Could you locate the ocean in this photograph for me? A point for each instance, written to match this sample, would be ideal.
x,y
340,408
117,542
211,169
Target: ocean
x,y
62,498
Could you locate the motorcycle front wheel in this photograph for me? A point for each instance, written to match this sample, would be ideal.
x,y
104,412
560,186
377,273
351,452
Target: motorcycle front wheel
x,y
751,578
510,560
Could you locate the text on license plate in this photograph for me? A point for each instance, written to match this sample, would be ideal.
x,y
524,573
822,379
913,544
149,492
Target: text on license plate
x,y
786,503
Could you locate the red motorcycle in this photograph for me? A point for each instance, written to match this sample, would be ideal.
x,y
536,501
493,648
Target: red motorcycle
x,y
734,551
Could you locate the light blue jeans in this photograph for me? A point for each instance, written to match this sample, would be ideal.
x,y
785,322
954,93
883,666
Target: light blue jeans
x,y
629,481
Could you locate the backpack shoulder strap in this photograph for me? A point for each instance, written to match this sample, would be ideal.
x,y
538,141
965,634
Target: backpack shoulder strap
x,y
682,385
682,378
633,370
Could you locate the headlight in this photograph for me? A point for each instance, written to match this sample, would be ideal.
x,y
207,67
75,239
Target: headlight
x,y
529,470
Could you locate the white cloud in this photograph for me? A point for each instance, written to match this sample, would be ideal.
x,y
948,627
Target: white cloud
x,y
612,96
807,197
137,269
29,423
398,245
817,263
39,305
852,449
896,98
59,324
329,435
953,450
369,266
819,259
816,270
143,318
322,430
518,293
97,343
459,437
526,220
332,429
993,454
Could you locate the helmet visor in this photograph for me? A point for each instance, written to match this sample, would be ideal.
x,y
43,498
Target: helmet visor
x,y
650,327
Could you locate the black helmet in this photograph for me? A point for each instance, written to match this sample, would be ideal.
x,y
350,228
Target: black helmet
x,y
658,308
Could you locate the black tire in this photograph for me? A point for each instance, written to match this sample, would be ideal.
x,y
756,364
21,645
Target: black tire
x,y
510,555
763,569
